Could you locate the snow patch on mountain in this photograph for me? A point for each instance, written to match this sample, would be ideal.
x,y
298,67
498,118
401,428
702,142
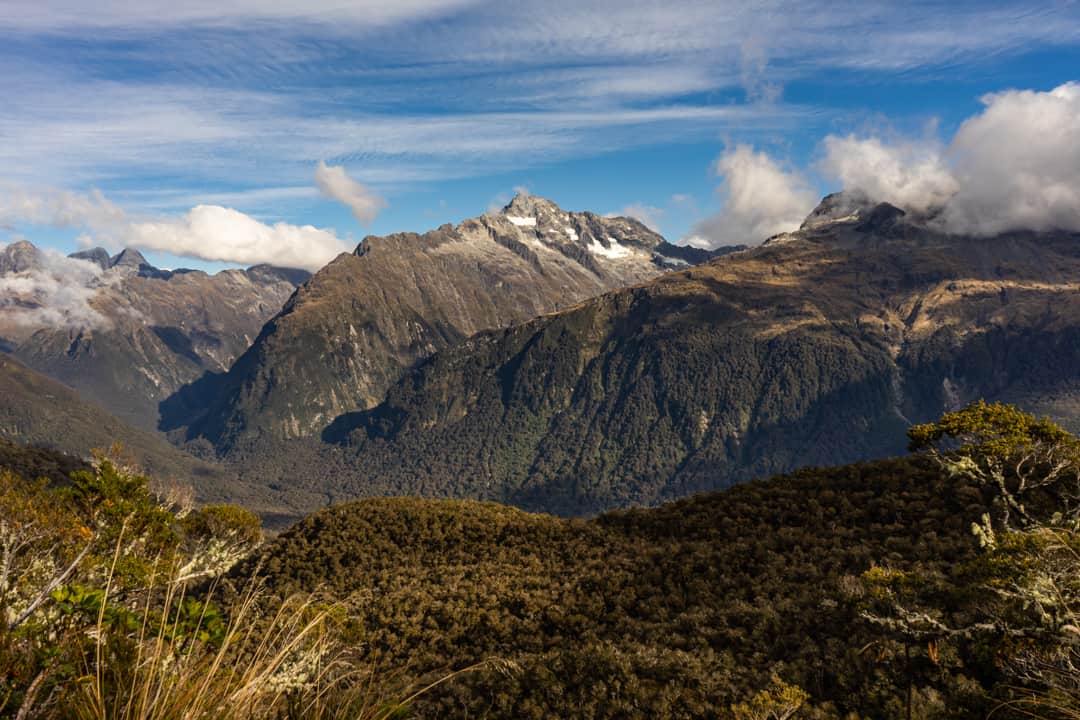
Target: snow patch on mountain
x,y
614,252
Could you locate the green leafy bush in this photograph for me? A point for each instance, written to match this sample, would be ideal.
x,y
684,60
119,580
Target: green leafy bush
x,y
111,607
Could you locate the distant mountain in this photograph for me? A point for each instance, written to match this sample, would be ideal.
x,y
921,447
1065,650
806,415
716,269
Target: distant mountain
x,y
366,318
125,334
99,256
18,257
819,347
39,412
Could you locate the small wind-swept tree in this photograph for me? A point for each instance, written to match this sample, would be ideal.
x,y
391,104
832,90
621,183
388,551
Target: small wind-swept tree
x,y
1022,594
1030,465
42,543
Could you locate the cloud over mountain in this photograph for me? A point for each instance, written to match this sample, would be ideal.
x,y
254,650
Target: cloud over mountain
x,y
912,174
1018,163
1015,165
207,232
53,291
760,198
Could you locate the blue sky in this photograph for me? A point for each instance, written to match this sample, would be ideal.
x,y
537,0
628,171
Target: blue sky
x,y
441,108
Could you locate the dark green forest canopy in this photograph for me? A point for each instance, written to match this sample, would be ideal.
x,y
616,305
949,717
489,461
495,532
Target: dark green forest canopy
x,y
677,611
862,586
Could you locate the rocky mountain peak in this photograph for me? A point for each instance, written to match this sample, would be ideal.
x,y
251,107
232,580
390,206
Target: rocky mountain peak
x,y
528,205
530,213
132,262
582,235
99,256
853,218
17,257
841,206
129,258
880,218
865,214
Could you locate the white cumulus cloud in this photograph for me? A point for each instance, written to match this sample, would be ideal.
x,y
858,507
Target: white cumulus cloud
x,y
212,232
760,199
1013,166
335,184
1018,163
206,232
912,174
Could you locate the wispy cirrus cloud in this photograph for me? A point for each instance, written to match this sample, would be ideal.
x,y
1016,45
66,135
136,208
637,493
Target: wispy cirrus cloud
x,y
238,99
433,79
190,136
54,15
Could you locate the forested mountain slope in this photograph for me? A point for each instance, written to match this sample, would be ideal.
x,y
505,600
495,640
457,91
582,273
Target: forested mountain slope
x,y
43,421
816,348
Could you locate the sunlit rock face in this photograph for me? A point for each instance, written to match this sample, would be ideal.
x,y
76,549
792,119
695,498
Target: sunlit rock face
x,y
367,317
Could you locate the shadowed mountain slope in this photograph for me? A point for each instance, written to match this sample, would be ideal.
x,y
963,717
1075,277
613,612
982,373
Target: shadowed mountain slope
x,y
47,429
39,411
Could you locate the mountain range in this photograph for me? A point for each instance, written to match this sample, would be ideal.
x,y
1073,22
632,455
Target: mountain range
x,y
819,347
366,318
125,334
568,362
